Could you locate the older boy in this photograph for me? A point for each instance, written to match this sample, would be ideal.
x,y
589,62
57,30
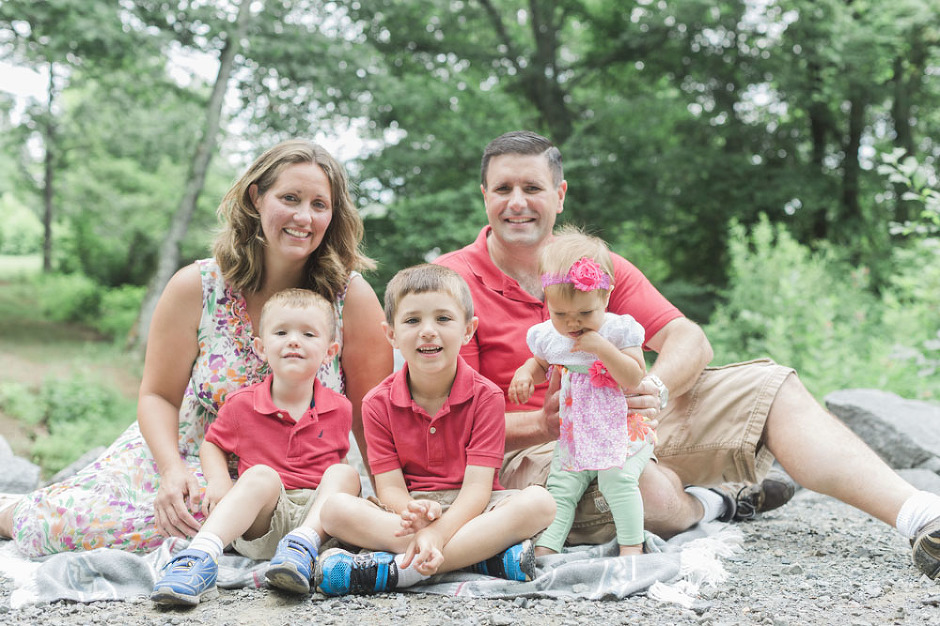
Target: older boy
x,y
290,434
435,432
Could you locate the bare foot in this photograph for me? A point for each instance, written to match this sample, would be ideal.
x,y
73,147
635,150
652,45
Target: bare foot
x,y
543,551
635,550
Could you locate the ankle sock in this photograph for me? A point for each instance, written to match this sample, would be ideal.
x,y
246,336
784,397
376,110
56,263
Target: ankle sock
x,y
407,576
305,532
712,502
207,542
916,512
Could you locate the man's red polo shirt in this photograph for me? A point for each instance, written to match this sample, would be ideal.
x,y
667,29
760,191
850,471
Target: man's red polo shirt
x,y
507,312
250,426
433,452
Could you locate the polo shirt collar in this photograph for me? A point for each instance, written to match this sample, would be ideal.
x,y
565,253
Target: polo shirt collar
x,y
323,401
460,391
482,266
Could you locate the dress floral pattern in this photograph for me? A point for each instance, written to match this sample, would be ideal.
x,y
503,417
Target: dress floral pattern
x,y
596,433
110,502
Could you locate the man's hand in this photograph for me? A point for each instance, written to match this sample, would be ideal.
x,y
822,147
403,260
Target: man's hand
x,y
551,419
418,515
175,499
644,399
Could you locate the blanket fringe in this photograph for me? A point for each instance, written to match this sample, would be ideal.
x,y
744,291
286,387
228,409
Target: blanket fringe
x,y
700,566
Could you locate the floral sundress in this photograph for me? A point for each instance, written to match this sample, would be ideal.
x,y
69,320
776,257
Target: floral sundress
x,y
596,431
110,502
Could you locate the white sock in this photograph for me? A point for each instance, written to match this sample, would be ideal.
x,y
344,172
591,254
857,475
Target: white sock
x,y
408,576
712,502
916,512
305,532
207,542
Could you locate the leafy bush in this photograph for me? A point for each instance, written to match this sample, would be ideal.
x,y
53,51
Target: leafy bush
x,y
19,401
68,297
119,310
814,312
79,414
78,298
20,230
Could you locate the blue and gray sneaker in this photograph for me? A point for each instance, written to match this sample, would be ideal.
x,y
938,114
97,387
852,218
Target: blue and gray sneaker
x,y
339,572
292,565
187,578
515,563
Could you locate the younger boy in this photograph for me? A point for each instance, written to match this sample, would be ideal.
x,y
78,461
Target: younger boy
x,y
436,433
290,434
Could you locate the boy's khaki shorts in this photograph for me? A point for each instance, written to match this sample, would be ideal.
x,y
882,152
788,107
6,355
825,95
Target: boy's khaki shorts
x,y
446,497
708,436
292,508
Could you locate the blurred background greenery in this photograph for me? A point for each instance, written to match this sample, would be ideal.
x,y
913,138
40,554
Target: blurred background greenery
x,y
769,164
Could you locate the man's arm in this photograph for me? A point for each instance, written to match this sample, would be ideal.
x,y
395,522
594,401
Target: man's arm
x,y
683,351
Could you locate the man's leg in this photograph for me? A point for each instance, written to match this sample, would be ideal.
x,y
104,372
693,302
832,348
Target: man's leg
x,y
822,454
667,509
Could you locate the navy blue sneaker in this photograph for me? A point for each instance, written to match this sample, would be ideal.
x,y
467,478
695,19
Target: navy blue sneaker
x,y
515,563
339,572
292,565
187,578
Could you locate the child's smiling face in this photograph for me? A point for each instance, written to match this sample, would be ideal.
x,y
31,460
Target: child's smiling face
x,y
429,329
296,341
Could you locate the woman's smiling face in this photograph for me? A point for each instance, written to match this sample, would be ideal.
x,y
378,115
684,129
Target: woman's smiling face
x,y
296,211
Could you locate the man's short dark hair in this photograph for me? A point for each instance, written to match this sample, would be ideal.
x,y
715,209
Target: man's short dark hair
x,y
523,142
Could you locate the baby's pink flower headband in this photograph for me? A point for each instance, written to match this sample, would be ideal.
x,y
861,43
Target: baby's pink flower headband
x,y
585,274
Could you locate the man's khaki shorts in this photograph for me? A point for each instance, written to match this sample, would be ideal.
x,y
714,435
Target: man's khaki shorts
x,y
292,508
710,435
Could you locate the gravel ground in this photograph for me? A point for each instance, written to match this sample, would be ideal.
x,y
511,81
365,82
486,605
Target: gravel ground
x,y
815,561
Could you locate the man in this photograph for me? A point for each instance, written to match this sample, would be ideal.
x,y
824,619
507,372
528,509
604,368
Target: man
x,y
714,424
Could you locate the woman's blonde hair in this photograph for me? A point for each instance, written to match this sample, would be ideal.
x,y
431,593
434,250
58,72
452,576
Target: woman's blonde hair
x,y
239,246
569,245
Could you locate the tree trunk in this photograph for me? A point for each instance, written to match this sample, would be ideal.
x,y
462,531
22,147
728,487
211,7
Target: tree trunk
x,y
47,187
168,260
851,169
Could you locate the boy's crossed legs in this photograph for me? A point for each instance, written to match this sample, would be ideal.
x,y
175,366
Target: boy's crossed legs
x,y
494,542
261,519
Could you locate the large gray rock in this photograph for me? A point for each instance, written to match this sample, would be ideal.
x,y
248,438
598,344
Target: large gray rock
x,y
906,433
17,475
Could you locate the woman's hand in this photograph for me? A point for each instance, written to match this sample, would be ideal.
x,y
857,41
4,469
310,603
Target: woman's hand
x,y
178,491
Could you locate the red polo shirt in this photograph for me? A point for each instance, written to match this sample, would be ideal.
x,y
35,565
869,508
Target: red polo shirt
x,y
259,433
507,312
433,452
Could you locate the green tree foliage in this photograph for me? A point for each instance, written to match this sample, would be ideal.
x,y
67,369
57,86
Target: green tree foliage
x,y
814,311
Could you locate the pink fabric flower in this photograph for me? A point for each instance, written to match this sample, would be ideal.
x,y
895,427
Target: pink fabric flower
x,y
638,428
586,275
600,377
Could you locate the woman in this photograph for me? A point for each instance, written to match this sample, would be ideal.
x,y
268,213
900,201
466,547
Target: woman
x,y
287,222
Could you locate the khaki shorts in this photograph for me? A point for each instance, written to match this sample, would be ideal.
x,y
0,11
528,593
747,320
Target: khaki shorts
x,y
710,435
292,508
446,498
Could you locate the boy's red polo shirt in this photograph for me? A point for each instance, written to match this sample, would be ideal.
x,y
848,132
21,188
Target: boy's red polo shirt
x,y
433,452
507,312
259,433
